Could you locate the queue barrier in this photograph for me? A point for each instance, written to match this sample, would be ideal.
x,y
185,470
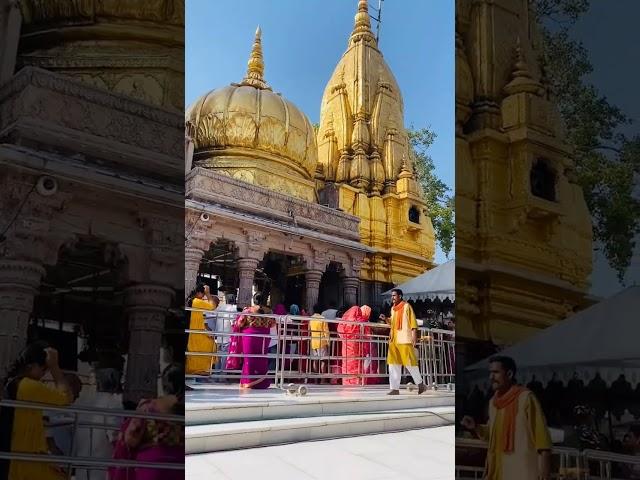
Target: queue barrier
x,y
567,463
92,463
352,353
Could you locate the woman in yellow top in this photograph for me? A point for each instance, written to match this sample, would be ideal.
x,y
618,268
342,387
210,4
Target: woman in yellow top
x,y
319,329
22,429
200,342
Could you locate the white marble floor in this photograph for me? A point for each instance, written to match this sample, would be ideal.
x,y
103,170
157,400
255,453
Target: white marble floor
x,y
426,454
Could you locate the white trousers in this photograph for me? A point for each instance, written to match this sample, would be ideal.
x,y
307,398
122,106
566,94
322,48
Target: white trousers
x,y
395,375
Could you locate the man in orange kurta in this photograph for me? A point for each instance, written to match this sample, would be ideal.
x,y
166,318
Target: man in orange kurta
x,y
519,443
402,343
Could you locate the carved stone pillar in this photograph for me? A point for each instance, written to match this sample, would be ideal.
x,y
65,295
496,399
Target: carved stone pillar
x,y
192,258
312,281
246,273
377,294
19,283
350,285
146,307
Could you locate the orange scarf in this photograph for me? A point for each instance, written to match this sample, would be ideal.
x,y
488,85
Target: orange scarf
x,y
509,402
400,310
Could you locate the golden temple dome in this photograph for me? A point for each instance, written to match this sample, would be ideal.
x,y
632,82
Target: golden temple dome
x,y
233,125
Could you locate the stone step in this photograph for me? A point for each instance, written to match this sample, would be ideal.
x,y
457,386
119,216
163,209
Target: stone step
x,y
238,435
206,412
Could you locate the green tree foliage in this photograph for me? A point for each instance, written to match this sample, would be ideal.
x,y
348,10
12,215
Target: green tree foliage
x,y
606,160
437,194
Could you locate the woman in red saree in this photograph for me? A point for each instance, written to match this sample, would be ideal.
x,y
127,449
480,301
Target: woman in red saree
x,y
354,346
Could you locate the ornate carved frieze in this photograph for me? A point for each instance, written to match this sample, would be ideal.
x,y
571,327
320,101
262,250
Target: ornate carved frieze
x,y
30,106
71,12
207,186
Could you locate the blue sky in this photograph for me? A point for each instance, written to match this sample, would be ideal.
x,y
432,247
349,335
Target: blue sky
x,y
303,41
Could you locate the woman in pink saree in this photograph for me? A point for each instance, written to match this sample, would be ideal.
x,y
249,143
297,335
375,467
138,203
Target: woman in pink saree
x,y
235,344
154,441
253,344
354,345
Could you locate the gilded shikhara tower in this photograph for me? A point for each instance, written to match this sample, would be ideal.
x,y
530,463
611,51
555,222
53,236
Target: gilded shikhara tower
x,y
364,164
523,230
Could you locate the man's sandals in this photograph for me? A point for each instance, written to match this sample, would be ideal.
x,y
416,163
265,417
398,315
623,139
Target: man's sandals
x,y
421,389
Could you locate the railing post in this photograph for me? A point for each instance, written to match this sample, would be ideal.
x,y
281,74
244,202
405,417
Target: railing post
x,y
282,347
361,359
72,446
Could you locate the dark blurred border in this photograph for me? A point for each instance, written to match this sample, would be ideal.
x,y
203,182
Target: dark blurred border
x,y
548,210
92,186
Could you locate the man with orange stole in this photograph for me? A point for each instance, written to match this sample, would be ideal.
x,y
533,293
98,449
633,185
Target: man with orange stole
x,y
402,343
519,443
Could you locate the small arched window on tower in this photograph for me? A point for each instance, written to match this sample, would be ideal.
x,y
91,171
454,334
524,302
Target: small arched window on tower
x,y
414,215
543,180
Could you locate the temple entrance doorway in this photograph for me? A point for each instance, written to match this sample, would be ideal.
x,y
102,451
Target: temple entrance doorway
x,y
218,269
331,292
281,279
79,309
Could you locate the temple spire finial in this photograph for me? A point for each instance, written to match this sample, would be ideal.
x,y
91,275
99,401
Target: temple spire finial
x,y
362,25
255,65
522,79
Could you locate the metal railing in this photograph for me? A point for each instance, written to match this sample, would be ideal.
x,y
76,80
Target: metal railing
x,y
71,462
612,466
351,353
566,463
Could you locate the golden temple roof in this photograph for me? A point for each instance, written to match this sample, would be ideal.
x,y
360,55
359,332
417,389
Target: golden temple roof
x,y
252,120
361,138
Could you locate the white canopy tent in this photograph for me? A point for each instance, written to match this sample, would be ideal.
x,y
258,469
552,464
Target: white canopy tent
x,y
601,338
438,282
